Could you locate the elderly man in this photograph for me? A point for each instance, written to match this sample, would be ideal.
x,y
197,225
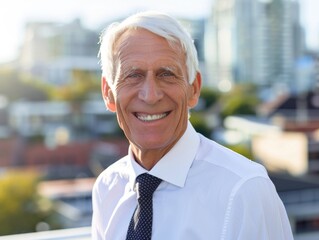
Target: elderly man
x,y
174,183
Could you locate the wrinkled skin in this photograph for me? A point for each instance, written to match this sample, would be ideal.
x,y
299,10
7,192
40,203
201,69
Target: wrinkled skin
x,y
151,94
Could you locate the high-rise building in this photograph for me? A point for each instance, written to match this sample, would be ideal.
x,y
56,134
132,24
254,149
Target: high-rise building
x,y
254,41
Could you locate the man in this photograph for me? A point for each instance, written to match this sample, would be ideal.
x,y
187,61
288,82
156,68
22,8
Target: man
x,y
203,191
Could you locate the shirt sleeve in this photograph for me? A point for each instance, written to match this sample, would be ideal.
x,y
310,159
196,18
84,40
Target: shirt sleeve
x,y
255,211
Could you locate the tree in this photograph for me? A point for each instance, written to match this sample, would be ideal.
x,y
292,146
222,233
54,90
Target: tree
x,y
21,207
209,96
15,86
198,121
81,85
241,100
242,149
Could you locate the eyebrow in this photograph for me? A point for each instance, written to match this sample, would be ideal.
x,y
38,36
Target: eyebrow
x,y
129,70
168,68
134,68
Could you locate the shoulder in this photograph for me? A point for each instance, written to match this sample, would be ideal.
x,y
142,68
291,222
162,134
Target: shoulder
x,y
240,177
228,161
112,175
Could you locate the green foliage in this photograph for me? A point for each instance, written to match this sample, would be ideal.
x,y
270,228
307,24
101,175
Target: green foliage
x,y
82,84
241,100
200,124
210,96
21,207
15,86
241,149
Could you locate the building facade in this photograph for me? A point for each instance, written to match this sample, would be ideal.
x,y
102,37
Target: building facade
x,y
52,51
254,41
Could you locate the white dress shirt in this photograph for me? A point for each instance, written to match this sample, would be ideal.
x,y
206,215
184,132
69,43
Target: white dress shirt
x,y
207,192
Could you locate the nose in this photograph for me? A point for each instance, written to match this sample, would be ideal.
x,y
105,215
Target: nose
x,y
151,91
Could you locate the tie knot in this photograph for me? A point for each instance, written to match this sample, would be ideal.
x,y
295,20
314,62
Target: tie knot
x,y
147,184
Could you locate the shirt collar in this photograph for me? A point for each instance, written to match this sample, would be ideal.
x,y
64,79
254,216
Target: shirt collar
x,y
174,166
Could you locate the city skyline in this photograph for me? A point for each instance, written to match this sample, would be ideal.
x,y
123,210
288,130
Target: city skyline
x,y
16,13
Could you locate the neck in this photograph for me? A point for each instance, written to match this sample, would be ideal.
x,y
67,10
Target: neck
x,y
148,158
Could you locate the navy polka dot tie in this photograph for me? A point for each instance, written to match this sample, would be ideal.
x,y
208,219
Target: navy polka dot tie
x,y
140,227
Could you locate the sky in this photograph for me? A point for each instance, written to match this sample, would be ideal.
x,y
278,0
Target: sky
x,y
15,13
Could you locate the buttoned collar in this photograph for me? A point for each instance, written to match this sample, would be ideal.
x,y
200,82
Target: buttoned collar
x,y
174,166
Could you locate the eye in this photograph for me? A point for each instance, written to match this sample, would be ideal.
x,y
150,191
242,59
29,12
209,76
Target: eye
x,y
166,74
134,76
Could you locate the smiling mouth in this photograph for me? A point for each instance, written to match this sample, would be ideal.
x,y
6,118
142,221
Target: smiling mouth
x,y
150,117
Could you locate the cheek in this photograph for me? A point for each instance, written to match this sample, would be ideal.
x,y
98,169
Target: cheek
x,y
185,95
123,99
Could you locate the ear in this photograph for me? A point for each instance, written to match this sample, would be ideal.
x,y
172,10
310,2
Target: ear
x,y
195,91
107,94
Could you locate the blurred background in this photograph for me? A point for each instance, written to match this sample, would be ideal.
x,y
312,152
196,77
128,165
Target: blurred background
x,y
260,65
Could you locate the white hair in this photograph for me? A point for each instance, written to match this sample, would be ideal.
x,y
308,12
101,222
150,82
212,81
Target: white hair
x,y
158,23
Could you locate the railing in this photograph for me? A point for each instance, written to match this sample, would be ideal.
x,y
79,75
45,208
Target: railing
x,y
83,233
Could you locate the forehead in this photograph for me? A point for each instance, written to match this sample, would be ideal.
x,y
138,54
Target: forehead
x,y
136,42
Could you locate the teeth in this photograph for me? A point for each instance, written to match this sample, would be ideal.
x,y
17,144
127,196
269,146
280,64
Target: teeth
x,y
146,118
